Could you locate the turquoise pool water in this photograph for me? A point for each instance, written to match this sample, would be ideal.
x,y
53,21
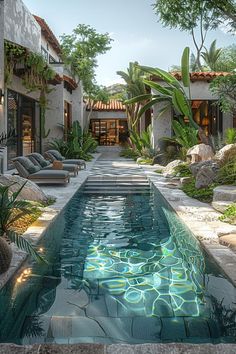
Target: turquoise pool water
x,y
123,269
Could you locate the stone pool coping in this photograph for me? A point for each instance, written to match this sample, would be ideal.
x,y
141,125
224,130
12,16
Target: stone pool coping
x,y
168,348
36,231
201,219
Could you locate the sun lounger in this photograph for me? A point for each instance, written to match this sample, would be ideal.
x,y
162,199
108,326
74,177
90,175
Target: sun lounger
x,y
53,155
27,169
39,160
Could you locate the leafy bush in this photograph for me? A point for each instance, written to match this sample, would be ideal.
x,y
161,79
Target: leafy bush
x,y
229,214
204,194
182,171
185,136
12,211
129,153
230,136
78,144
227,173
141,144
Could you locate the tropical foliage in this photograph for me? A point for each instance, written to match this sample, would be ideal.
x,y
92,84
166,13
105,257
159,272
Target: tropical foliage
x,y
225,88
77,144
196,16
230,136
170,95
80,50
11,210
212,56
134,86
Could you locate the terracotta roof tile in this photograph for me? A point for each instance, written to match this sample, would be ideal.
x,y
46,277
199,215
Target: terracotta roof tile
x,y
112,105
47,32
203,75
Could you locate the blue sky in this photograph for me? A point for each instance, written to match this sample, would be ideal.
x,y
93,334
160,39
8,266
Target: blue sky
x,y
133,26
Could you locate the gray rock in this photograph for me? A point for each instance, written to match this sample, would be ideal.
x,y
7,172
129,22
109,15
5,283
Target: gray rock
x,y
224,194
205,177
200,152
195,167
30,191
170,168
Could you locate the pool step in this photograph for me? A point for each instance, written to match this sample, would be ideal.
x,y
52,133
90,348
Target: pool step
x,y
116,184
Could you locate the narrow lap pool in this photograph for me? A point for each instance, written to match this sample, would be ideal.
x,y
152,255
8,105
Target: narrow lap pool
x,y
123,269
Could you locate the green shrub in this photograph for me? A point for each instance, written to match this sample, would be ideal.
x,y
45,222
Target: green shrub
x,y
230,136
129,153
182,171
229,214
78,144
204,194
227,173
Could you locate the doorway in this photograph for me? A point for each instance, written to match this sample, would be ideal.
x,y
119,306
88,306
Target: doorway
x,y
109,132
21,118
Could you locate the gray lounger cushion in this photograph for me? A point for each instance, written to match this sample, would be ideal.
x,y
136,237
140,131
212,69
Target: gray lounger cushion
x,y
24,166
57,155
39,159
49,174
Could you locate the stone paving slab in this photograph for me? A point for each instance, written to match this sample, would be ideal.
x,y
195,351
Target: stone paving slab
x,y
172,348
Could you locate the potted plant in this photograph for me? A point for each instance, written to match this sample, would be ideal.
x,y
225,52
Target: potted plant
x,y
11,210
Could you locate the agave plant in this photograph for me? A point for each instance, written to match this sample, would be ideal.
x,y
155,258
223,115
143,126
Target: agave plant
x,y
11,210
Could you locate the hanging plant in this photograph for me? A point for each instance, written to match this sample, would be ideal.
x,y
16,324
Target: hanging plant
x,y
36,77
13,54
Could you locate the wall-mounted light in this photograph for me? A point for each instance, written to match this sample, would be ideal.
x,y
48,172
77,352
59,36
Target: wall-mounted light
x,y
1,96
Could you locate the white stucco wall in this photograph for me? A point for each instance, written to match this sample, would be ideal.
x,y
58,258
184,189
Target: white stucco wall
x,y
55,113
20,26
162,126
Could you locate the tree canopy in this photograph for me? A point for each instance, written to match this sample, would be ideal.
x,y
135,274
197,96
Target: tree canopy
x,y
197,15
80,50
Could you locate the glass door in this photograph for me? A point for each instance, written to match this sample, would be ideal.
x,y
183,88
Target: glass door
x,y
27,125
21,114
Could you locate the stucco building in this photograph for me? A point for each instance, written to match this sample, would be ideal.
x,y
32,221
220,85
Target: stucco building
x,y
206,112
20,110
108,122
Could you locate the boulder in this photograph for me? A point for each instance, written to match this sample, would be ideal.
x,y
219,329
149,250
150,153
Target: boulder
x,y
204,177
30,191
200,152
225,154
170,168
224,194
195,167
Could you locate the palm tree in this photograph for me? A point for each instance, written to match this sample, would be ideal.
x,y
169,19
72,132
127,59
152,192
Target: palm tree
x,y
211,56
134,87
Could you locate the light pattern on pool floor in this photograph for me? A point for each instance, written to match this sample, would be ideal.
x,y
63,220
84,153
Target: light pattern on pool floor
x,y
127,270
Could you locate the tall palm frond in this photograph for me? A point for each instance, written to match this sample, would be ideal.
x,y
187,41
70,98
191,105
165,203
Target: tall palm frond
x,y
211,56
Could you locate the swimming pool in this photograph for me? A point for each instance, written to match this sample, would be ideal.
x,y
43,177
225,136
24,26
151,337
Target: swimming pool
x,y
123,269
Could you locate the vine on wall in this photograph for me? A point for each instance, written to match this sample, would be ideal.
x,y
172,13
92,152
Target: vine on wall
x,y
36,74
